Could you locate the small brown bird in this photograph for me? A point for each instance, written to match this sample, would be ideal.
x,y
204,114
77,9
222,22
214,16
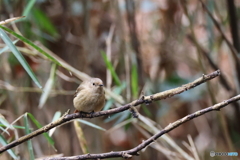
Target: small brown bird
x,y
89,96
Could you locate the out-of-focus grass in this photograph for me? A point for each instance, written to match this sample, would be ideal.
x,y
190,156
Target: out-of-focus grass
x,y
29,142
34,120
19,56
168,59
111,68
10,151
48,86
25,40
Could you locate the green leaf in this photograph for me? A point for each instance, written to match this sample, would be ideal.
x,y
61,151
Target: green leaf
x,y
111,68
14,126
1,128
25,40
117,90
134,80
49,139
6,47
48,87
123,117
3,98
4,130
4,143
19,56
91,124
146,110
113,117
44,23
29,142
5,122
56,116
29,7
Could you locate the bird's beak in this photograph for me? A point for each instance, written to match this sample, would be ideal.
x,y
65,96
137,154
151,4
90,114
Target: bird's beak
x,y
101,85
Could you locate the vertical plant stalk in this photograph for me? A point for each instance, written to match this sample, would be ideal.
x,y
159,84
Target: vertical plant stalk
x,y
109,54
81,138
130,7
223,80
29,142
236,71
235,59
233,24
200,56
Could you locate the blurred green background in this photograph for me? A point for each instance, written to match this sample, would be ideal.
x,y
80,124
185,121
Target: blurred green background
x,y
134,46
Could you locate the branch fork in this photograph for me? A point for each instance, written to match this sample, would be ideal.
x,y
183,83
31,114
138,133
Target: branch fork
x,y
144,99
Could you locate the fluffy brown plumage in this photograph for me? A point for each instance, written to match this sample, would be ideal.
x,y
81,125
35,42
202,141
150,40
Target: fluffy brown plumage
x,y
89,96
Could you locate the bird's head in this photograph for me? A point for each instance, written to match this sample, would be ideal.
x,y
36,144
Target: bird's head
x,y
96,84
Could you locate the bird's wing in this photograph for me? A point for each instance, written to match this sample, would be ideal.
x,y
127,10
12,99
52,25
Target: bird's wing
x,y
78,90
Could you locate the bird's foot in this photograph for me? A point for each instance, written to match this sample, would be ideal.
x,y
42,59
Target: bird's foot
x,y
83,114
91,113
76,111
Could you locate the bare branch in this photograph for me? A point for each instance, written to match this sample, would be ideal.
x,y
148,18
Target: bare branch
x,y
144,144
231,47
147,99
233,50
214,66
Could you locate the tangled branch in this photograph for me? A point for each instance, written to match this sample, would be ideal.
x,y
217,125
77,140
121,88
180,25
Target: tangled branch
x,y
145,99
171,126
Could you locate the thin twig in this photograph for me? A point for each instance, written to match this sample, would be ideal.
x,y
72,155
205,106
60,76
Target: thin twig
x,y
9,87
193,148
214,66
147,99
10,20
149,141
233,50
235,59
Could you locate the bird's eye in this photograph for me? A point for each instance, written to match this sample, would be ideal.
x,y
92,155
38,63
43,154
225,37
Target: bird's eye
x,y
93,84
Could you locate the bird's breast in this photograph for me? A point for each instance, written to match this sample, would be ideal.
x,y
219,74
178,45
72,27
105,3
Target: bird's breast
x,y
89,101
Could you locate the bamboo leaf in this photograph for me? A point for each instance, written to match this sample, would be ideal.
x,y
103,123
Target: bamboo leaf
x,y
44,23
29,7
123,117
113,117
91,124
146,110
134,78
49,139
25,40
111,68
48,87
14,126
5,122
6,47
117,90
10,151
29,142
56,116
19,56
81,137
